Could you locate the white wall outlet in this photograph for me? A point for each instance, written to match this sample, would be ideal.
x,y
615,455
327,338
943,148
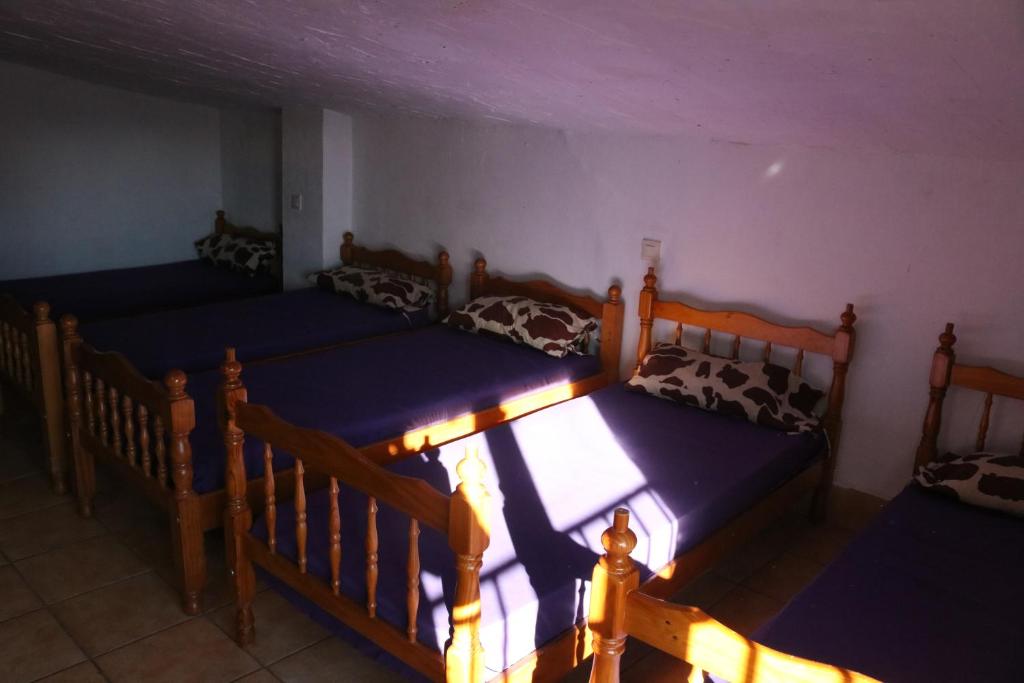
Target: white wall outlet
x,y
650,250
297,201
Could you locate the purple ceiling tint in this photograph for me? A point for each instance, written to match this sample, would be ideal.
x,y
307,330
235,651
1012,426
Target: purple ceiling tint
x,y
931,76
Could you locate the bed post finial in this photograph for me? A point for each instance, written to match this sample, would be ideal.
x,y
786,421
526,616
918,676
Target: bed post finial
x,y
220,223
478,280
615,576
444,281
943,361
648,295
468,536
347,248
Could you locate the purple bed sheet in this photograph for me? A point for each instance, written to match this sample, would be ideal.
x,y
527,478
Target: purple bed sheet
x,y
554,478
930,592
103,294
378,389
193,339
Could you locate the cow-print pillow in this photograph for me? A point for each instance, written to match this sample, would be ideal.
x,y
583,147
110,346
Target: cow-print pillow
x,y
244,254
376,287
554,329
489,314
987,480
764,393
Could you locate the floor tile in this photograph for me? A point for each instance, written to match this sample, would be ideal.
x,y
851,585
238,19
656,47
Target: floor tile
x,y
261,676
34,645
86,672
756,553
193,651
38,532
784,577
656,667
27,494
79,567
132,518
822,543
328,661
704,591
744,611
16,598
281,629
128,610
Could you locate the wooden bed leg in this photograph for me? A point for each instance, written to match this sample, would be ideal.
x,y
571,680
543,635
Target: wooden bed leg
x,y
237,515
468,536
82,460
842,352
53,406
938,382
615,576
186,526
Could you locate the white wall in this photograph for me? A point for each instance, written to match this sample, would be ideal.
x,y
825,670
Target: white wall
x,y
95,177
793,233
250,143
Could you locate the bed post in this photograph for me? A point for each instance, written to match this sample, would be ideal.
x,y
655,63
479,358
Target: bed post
x,y
83,463
478,280
444,280
615,576
938,380
50,395
648,295
219,223
237,515
186,526
611,333
468,535
347,248
842,351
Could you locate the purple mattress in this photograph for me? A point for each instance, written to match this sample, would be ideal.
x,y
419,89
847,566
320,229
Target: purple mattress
x,y
554,478
379,389
101,294
193,339
930,592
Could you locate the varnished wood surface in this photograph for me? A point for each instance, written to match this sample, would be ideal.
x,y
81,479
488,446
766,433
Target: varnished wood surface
x,y
439,273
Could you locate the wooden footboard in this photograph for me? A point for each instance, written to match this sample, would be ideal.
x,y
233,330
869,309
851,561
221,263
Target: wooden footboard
x,y
618,610
462,518
30,367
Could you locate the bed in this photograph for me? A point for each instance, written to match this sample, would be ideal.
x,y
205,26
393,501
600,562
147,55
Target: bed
x,y
703,482
923,591
453,383
29,365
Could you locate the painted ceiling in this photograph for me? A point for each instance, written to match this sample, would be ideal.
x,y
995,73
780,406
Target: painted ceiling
x,y
912,76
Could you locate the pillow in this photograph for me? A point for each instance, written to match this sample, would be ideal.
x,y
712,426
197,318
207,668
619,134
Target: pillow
x,y
764,393
987,480
554,329
244,254
376,287
491,314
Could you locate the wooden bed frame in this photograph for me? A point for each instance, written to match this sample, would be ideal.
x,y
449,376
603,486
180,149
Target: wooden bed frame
x,y
554,660
141,428
618,608
30,361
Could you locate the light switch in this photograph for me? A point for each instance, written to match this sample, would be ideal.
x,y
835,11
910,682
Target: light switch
x,y
297,202
650,250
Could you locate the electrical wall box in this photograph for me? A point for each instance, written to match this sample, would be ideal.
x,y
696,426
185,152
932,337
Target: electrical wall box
x,y
650,250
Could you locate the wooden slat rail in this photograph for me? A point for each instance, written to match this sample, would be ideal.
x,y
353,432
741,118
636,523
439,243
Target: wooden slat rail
x,y
619,610
838,346
119,416
461,517
30,366
946,372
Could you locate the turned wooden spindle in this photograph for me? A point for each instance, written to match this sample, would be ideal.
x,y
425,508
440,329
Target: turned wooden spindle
x,y
127,409
614,577
87,396
842,352
301,528
371,557
49,385
160,451
767,352
84,467
101,411
679,334
798,364
334,529
444,281
347,248
142,416
413,579
645,310
270,497
468,536
5,349
27,380
190,558
611,333
938,383
220,223
736,341
115,419
707,341
979,444
478,280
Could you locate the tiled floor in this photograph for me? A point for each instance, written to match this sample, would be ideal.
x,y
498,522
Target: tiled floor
x,y
91,600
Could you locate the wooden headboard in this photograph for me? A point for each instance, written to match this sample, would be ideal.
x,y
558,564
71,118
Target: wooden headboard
x,y
222,226
947,372
439,273
481,283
